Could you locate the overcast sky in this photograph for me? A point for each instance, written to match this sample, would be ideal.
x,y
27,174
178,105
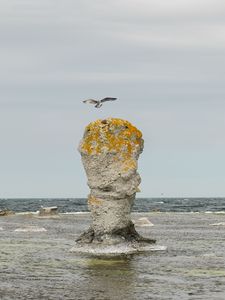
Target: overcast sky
x,y
163,60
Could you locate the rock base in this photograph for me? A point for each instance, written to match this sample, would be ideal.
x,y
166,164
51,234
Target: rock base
x,y
125,248
115,236
118,242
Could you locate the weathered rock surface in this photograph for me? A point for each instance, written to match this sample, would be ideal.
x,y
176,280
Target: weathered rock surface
x,y
48,211
110,149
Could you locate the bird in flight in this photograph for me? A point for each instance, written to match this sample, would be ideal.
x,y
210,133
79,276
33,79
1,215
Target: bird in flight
x,y
99,103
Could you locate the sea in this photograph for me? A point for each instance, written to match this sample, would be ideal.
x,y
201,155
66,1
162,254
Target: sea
x,y
70,205
36,261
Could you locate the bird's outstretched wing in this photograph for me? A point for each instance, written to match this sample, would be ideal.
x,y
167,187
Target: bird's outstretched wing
x,y
108,99
91,101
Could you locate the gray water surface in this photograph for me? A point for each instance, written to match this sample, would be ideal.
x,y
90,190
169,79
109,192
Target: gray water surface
x,y
39,265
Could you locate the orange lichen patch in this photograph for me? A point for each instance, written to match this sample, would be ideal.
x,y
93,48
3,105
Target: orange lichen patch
x,y
111,135
128,165
94,201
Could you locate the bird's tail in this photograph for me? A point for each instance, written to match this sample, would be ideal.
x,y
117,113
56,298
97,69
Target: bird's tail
x,y
98,105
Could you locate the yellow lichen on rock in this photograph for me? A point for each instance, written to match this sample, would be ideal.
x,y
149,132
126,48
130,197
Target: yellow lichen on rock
x,y
129,164
109,151
94,201
111,135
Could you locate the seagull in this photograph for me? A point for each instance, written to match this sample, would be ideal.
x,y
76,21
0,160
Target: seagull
x,y
98,103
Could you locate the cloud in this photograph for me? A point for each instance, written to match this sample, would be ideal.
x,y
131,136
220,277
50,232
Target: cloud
x,y
164,60
92,41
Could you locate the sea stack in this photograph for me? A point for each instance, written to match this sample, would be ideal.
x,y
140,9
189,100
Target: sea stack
x,y
110,150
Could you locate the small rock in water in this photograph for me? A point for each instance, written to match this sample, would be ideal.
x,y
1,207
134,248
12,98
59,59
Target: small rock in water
x,y
48,211
218,224
143,222
6,212
31,229
1,228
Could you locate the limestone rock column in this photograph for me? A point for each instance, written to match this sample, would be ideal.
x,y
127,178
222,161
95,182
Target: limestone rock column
x,y
110,149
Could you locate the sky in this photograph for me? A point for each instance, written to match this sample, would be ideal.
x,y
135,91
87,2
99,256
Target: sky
x,y
163,60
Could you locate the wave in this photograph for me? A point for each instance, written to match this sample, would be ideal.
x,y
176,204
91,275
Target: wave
x,y
79,205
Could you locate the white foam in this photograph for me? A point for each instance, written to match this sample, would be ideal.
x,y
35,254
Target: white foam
x,y
143,222
218,224
76,213
222,212
27,213
31,229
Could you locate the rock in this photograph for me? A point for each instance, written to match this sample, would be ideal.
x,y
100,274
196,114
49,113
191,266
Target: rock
x,y
1,228
48,211
110,149
6,212
143,222
116,250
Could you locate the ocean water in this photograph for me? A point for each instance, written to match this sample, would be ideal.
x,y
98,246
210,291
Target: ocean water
x,y
40,266
141,204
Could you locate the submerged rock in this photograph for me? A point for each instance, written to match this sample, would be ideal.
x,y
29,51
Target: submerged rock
x,y
6,212
110,149
116,250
